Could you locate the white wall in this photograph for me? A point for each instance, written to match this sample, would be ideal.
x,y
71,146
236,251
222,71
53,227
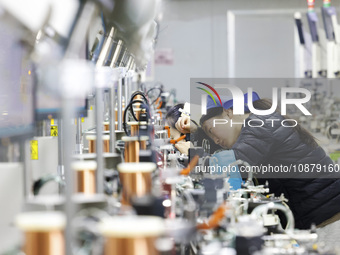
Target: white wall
x,y
196,31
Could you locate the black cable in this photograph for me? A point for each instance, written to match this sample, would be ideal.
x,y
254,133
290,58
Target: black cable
x,y
129,106
159,95
132,98
38,184
139,93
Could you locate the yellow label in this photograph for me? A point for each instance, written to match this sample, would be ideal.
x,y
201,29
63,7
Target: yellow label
x,y
82,119
91,108
54,130
34,149
52,122
75,121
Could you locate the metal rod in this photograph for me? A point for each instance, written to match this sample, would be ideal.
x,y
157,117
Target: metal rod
x,y
27,169
129,63
106,49
106,104
112,119
44,128
99,141
126,90
71,89
129,84
79,137
60,169
67,114
120,105
116,54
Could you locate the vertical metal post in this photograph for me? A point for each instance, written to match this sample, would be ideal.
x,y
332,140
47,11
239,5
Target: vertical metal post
x,y
25,152
126,90
120,105
60,169
67,115
112,118
79,149
76,78
99,141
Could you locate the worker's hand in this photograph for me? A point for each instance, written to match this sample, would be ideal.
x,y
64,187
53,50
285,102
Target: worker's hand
x,y
183,125
183,147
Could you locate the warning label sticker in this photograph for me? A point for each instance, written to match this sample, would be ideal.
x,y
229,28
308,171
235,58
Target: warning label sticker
x,y
54,130
34,150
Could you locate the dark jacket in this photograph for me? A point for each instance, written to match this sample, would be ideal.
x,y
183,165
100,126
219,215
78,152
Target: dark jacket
x,y
313,197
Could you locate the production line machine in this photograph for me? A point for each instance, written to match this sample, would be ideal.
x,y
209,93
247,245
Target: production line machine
x,y
118,185
317,70
157,203
318,52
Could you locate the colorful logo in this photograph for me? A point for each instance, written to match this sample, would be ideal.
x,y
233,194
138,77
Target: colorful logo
x,y
208,92
240,100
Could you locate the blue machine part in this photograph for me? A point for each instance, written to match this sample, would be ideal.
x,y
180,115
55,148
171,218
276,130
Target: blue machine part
x,y
220,164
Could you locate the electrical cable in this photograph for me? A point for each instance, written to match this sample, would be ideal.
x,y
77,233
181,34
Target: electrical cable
x,y
159,95
129,106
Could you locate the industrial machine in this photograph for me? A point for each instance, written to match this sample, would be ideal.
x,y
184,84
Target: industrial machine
x,y
99,171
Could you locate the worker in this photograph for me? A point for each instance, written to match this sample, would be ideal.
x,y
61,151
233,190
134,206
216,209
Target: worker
x,y
171,118
180,124
312,200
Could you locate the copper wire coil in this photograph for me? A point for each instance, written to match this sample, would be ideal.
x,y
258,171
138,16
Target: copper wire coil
x,y
137,113
44,232
134,130
116,113
86,181
143,145
85,173
135,184
107,126
131,235
137,106
130,246
131,151
92,146
137,97
44,243
106,146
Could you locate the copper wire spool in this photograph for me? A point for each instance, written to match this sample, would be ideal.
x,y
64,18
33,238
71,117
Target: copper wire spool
x,y
143,145
85,176
116,112
137,112
126,235
132,147
143,140
106,143
134,126
134,130
137,97
136,106
92,143
106,126
43,232
132,151
136,179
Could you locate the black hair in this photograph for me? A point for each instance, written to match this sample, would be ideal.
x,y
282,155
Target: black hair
x,y
265,104
212,112
173,114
